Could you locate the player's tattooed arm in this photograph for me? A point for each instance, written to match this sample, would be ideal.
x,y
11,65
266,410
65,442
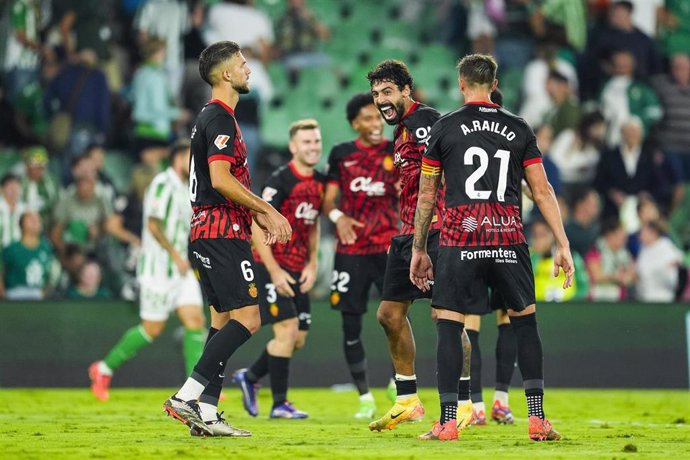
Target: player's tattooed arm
x,y
429,183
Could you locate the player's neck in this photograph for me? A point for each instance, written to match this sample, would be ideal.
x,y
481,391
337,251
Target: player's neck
x,y
226,95
477,97
30,241
301,169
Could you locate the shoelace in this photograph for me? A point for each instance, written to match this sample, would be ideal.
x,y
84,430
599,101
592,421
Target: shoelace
x,y
219,418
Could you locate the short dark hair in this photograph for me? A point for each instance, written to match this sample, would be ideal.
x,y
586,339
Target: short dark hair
x,y
478,69
391,70
9,177
610,225
558,76
356,103
179,147
22,218
627,4
214,55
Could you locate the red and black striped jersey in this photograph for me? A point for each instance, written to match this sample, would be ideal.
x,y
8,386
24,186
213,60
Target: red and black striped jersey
x,y
367,180
299,199
482,149
217,136
411,138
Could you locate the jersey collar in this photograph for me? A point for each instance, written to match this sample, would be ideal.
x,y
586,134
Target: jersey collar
x,y
222,104
173,176
487,104
412,109
297,174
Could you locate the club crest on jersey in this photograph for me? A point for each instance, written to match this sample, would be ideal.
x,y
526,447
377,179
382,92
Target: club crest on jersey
x,y
388,163
368,186
273,310
253,291
335,298
221,141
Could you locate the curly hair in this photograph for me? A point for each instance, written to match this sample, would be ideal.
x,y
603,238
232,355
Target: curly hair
x,y
391,70
356,103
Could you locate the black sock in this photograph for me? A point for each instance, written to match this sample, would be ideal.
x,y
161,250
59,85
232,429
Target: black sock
x,y
530,357
405,387
448,363
218,349
279,369
259,368
449,411
464,390
506,351
354,351
475,366
211,393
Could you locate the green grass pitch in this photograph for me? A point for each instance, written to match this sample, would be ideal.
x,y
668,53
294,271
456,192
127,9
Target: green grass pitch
x,y
70,424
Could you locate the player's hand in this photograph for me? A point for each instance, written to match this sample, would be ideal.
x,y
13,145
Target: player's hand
x,y
276,227
181,263
308,278
421,270
564,260
345,228
282,281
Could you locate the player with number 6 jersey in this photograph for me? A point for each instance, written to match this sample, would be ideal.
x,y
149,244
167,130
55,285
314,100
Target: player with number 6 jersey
x,y
223,208
287,272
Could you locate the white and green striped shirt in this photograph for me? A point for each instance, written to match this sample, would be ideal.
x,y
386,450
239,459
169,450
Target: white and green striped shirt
x,y
9,223
167,199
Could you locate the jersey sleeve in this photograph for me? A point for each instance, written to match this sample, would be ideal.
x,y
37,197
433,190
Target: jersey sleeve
x,y
432,159
333,174
274,191
157,202
220,137
531,154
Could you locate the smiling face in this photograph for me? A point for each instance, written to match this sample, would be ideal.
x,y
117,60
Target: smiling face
x,y
369,124
306,147
390,100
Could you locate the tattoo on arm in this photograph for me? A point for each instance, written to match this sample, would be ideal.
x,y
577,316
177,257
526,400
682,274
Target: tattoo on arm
x,y
426,204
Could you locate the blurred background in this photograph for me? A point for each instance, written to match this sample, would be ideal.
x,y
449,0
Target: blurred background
x,y
93,93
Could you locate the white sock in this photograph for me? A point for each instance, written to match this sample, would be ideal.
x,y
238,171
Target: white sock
x,y
479,407
208,411
368,397
502,397
104,369
405,377
191,390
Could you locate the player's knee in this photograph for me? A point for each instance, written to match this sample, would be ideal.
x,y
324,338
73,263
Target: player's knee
x,y
153,329
251,323
389,318
300,342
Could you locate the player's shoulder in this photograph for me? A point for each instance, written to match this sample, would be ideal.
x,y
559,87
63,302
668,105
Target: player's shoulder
x,y
279,176
423,115
320,177
340,151
213,112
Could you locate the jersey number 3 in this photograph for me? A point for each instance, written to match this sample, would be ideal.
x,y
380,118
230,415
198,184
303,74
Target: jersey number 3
x,y
470,183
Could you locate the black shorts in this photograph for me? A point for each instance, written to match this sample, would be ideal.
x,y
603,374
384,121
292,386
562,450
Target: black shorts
x,y
352,279
396,284
225,269
464,275
495,303
275,308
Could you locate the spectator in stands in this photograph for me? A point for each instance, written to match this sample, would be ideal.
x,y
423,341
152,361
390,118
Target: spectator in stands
x,y
647,211
72,261
624,95
565,113
27,262
481,29
646,15
79,93
154,110
610,265
674,93
619,34
536,102
582,228
515,41
88,284
657,265
96,154
630,168
241,22
561,22
39,189
576,152
676,22
548,288
544,134
298,33
24,47
86,24
167,20
11,209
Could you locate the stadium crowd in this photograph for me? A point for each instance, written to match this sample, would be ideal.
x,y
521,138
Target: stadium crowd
x,y
605,84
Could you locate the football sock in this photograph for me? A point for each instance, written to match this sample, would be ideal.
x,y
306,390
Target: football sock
x,y
218,349
354,351
259,368
208,411
133,340
478,406
192,347
506,350
448,365
104,369
211,393
464,389
530,357
501,396
406,386
279,369
475,366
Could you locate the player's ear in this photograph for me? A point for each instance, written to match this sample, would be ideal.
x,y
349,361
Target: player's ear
x,y
406,91
461,84
494,85
292,147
